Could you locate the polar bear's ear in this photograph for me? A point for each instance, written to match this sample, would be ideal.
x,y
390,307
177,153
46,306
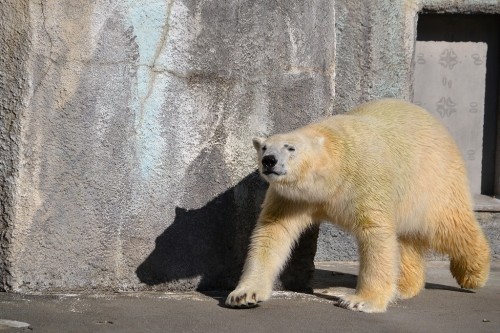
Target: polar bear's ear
x,y
257,142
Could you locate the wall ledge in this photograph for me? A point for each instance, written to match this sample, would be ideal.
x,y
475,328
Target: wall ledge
x,y
484,203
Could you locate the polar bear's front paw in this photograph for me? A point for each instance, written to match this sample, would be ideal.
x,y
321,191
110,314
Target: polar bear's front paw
x,y
357,303
247,297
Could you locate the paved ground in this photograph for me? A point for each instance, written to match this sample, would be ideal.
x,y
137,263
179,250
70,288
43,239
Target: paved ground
x,y
441,307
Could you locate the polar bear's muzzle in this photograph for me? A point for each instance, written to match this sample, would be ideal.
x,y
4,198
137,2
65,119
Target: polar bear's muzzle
x,y
270,166
269,161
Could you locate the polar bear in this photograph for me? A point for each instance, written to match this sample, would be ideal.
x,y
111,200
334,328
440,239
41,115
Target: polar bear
x,y
387,172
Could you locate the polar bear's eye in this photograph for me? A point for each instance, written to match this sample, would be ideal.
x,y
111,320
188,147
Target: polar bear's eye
x,y
291,148
264,148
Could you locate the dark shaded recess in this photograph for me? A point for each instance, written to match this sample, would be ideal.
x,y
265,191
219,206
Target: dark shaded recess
x,y
474,28
212,242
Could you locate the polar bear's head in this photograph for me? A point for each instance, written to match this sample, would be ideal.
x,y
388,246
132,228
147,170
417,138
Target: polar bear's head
x,y
286,158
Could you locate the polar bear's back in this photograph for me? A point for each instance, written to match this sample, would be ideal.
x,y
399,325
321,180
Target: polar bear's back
x,y
397,149
403,132
398,120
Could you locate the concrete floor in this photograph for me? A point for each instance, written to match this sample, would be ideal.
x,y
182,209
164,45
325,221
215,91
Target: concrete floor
x,y
441,307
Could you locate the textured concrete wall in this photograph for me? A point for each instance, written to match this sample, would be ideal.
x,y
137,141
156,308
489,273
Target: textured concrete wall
x,y
128,158
136,156
374,50
14,41
334,243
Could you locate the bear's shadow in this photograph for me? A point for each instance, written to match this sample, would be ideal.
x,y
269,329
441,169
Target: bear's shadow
x,y
204,248
324,279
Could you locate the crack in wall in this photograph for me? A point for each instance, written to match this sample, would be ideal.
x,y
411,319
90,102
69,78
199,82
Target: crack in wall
x,y
153,72
52,61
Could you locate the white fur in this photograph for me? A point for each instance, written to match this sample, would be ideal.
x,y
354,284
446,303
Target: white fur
x,y
389,173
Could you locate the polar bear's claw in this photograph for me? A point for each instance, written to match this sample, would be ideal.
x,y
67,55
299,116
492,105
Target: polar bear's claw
x,y
242,301
356,303
244,298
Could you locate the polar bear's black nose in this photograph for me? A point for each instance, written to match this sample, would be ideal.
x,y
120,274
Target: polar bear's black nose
x,y
269,161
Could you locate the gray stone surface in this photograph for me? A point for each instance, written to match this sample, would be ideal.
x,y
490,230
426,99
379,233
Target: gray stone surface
x,y
14,82
337,245
458,6
126,127
440,307
374,49
490,222
484,203
137,163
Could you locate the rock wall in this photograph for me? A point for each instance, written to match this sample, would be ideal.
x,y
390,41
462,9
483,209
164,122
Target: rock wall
x,y
126,129
136,163
14,83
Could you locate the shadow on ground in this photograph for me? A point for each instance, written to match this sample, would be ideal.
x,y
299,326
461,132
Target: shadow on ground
x,y
324,279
